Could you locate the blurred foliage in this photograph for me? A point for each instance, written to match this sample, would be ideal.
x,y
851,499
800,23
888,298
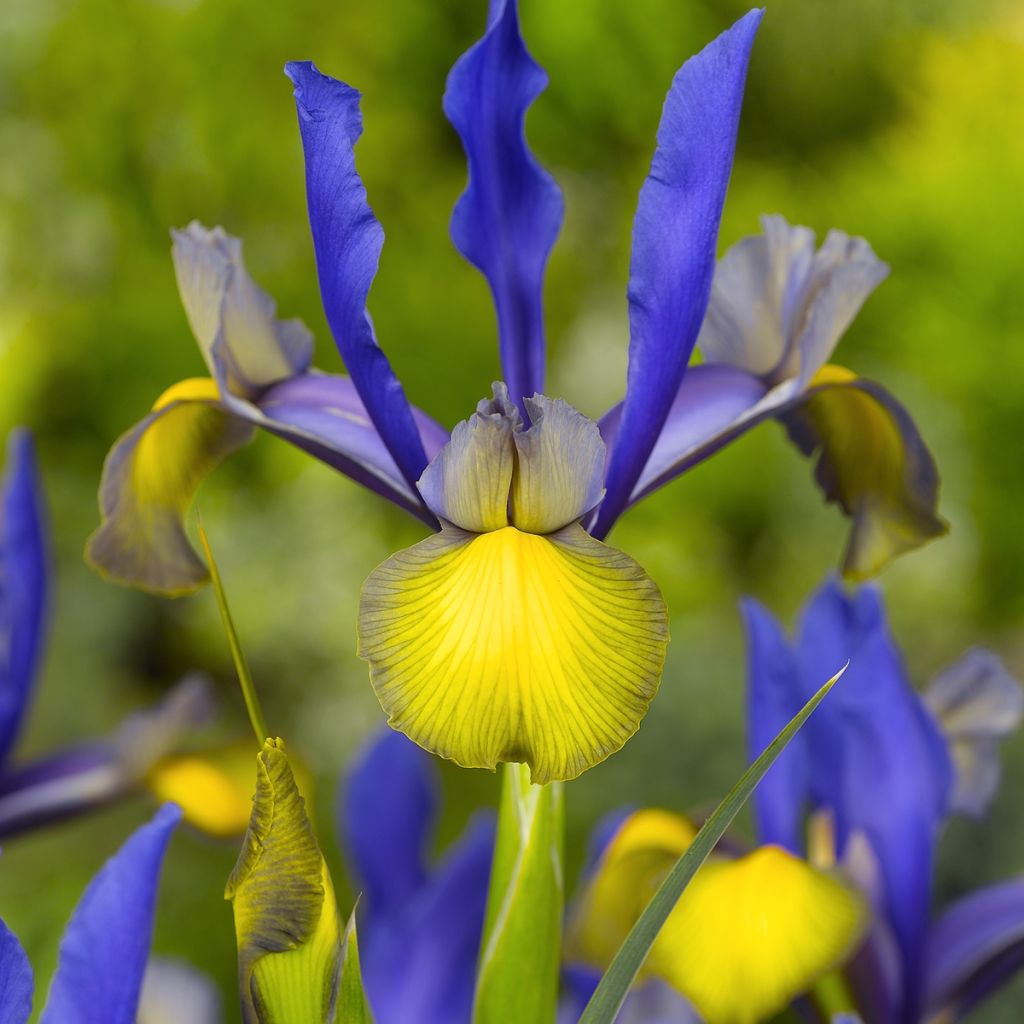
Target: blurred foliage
x,y
902,120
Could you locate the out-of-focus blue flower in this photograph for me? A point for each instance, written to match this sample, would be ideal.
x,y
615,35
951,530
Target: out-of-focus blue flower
x,y
876,769
421,924
105,947
87,775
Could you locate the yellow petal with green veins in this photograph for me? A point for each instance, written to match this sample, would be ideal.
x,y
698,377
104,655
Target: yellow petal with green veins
x,y
149,480
286,918
509,646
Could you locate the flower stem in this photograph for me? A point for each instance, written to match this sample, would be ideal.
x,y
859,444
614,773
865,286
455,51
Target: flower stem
x,y
252,701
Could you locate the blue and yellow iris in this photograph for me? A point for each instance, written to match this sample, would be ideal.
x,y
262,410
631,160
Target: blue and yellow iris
x,y
513,635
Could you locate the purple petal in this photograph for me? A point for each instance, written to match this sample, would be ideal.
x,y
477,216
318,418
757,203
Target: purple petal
x,y
106,945
58,787
507,220
674,238
347,239
774,696
975,946
90,775
714,405
386,816
420,963
15,979
24,572
324,415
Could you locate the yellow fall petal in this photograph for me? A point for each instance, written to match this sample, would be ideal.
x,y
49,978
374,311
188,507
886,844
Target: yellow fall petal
x,y
149,480
632,867
872,462
749,935
509,646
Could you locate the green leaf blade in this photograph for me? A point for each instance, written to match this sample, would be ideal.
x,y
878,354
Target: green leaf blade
x,y
518,975
353,1006
614,986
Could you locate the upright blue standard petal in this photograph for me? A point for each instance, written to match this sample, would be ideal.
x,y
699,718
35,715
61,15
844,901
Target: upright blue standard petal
x,y
15,979
106,945
23,585
347,240
507,220
674,238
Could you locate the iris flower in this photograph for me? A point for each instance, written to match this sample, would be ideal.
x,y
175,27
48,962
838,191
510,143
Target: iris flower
x,y
514,633
104,951
883,767
140,754
859,797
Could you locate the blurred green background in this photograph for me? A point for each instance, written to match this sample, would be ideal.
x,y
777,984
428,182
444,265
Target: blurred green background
x,y
901,120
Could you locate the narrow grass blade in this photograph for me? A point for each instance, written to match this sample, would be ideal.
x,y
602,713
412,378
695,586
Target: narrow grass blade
x,y
518,974
615,984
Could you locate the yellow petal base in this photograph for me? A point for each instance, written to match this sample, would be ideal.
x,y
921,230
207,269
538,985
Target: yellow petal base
x,y
509,646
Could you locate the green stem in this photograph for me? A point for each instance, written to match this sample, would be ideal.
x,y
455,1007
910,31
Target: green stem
x,y
517,978
252,701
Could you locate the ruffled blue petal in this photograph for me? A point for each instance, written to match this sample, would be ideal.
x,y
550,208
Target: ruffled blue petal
x,y
386,815
674,237
347,239
975,946
507,220
420,964
774,696
23,585
106,945
15,979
